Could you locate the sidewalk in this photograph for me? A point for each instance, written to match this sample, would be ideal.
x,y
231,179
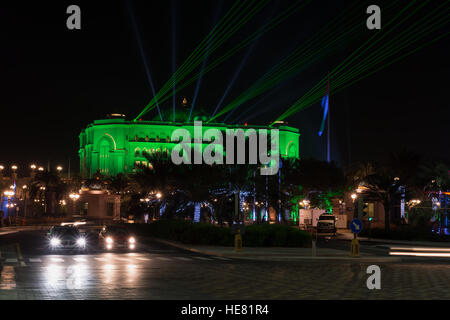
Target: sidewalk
x,y
9,230
344,235
278,253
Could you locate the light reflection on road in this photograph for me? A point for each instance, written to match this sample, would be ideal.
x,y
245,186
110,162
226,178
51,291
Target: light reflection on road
x,y
7,278
109,269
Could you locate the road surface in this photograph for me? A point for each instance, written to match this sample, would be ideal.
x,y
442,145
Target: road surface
x,y
155,271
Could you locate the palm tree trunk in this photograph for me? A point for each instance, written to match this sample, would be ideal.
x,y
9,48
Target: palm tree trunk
x,y
387,215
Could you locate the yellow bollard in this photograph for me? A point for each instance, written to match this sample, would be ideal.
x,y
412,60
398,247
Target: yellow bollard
x,y
238,241
354,248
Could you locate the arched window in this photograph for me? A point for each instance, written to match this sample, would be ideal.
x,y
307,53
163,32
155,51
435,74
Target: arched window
x,y
104,157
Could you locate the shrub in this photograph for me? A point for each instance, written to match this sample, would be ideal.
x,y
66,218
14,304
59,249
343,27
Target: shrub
x,y
207,234
275,235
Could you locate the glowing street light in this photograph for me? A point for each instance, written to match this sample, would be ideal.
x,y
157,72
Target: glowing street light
x,y
33,167
74,196
413,203
158,195
9,194
59,169
41,169
14,167
354,196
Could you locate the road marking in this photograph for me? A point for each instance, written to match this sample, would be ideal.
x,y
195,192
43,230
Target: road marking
x,y
57,260
143,259
203,258
183,258
80,259
222,258
7,278
163,258
19,252
100,259
123,259
35,260
12,260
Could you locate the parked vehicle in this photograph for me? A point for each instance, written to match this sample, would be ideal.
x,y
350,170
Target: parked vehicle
x,y
327,224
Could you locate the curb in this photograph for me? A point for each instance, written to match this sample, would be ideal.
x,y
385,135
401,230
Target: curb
x,y
402,242
280,258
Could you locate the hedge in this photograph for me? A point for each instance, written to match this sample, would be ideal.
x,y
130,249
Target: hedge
x,y
206,234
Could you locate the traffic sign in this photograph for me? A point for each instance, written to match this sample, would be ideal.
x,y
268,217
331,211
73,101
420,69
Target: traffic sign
x,y
356,226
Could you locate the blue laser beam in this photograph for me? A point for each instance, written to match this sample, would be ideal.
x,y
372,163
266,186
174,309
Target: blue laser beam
x,y
205,59
143,55
233,80
247,110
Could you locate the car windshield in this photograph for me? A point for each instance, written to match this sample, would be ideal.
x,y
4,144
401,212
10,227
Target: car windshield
x,y
65,231
117,231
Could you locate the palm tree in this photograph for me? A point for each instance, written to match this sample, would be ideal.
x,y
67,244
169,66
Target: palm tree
x,y
384,179
156,176
433,176
49,185
382,186
307,177
118,184
199,183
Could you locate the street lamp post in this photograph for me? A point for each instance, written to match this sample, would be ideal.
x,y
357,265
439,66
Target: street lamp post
x,y
355,212
33,170
74,197
25,187
158,197
14,172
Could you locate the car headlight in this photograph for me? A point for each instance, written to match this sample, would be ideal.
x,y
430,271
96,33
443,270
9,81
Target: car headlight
x,y
132,240
81,242
55,242
109,240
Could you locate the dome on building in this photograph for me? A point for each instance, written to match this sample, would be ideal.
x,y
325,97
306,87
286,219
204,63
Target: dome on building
x,y
182,113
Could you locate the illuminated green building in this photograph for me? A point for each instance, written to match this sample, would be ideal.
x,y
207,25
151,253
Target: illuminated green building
x,y
115,145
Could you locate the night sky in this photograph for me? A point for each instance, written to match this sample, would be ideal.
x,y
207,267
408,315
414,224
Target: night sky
x,y
55,81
